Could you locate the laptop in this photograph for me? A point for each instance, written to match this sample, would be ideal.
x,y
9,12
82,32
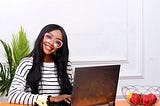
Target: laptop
x,y
95,86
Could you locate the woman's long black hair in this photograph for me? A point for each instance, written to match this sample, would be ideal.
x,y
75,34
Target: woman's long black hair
x,y
60,59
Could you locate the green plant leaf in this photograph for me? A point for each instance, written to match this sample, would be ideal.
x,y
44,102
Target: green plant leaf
x,y
19,49
8,53
5,80
20,46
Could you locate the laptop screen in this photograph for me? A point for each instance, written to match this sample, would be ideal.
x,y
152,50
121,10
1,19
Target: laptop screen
x,y
96,85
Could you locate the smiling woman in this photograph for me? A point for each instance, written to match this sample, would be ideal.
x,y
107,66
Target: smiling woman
x,y
46,73
52,41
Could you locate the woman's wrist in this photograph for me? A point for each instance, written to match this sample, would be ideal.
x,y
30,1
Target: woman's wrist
x,y
48,100
52,99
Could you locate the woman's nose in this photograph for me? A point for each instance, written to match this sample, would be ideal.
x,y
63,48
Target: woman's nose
x,y
51,41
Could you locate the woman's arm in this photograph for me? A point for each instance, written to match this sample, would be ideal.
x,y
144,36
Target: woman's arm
x,y
70,72
18,92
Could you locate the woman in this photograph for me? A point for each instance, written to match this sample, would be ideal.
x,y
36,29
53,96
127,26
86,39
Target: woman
x,y
46,73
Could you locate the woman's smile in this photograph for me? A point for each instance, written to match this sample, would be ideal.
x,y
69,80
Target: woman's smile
x,y
48,46
52,42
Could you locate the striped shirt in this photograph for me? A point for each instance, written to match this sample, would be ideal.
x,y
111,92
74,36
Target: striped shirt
x,y
49,85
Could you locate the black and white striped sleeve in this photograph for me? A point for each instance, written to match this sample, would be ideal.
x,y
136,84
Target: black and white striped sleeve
x,y
17,92
70,72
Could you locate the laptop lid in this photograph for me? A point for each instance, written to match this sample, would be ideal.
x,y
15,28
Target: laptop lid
x,y
96,85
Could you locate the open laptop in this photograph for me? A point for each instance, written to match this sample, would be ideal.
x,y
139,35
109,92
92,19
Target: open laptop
x,y
95,86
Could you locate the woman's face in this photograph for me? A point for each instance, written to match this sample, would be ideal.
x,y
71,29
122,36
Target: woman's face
x,y
52,41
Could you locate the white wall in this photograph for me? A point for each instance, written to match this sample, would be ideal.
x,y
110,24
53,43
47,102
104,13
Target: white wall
x,y
99,32
151,50
151,41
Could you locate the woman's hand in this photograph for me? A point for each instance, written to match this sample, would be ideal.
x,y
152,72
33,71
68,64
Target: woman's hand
x,y
65,97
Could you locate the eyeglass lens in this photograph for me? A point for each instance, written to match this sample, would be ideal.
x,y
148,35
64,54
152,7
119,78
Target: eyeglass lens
x,y
56,42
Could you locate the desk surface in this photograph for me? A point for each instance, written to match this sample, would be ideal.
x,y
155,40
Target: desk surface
x,y
118,103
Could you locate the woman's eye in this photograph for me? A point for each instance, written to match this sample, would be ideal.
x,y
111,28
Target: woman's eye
x,y
48,37
58,43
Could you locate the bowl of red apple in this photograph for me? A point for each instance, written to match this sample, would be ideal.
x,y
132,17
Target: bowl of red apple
x,y
141,95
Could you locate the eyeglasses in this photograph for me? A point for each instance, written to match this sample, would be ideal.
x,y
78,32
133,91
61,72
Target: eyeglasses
x,y
56,42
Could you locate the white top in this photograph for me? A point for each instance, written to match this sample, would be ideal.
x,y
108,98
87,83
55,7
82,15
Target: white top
x,y
49,86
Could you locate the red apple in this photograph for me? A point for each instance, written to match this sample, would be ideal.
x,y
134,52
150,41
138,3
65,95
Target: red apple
x,y
145,100
134,98
149,99
153,98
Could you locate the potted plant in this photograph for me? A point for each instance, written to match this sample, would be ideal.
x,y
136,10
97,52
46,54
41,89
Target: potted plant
x,y
18,49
